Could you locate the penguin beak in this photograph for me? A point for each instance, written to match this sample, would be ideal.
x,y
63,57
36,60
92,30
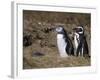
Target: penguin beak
x,y
53,29
74,29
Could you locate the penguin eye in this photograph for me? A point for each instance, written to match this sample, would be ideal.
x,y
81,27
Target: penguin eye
x,y
79,30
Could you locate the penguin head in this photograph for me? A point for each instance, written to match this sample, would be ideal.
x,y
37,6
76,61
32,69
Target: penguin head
x,y
79,30
60,30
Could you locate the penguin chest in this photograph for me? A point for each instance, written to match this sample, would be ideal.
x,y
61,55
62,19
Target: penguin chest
x,y
61,45
76,40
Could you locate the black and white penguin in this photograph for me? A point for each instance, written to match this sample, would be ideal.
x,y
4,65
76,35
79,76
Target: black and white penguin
x,y
64,43
81,46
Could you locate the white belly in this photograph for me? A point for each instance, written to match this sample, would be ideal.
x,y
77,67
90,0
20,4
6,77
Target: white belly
x,y
76,41
61,45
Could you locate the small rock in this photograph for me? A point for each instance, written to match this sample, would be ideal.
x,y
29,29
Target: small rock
x,y
37,54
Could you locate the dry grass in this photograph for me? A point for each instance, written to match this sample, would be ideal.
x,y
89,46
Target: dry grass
x,y
51,59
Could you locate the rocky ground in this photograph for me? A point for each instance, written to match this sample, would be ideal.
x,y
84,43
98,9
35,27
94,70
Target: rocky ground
x,y
39,42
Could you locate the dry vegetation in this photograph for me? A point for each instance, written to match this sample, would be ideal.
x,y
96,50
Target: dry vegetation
x,y
41,40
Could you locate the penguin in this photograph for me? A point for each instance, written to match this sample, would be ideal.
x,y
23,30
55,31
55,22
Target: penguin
x,y
81,46
65,46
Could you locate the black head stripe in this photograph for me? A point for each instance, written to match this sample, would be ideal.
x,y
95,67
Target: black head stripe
x,y
79,30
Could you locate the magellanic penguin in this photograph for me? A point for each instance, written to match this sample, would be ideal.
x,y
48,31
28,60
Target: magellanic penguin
x,y
64,43
81,46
